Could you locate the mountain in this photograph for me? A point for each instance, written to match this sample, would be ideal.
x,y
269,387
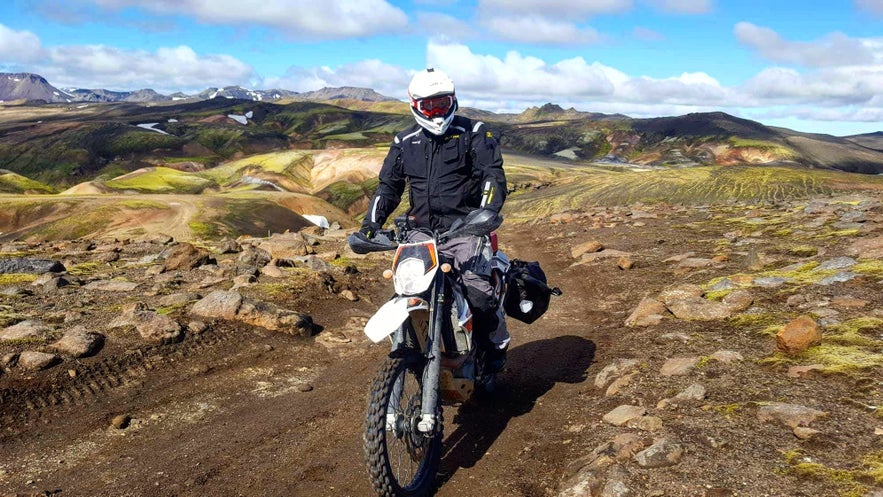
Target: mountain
x,y
26,86
344,93
870,140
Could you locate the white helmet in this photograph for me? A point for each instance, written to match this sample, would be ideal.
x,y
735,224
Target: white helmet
x,y
433,101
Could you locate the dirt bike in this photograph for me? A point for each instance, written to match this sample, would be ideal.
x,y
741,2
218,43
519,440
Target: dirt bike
x,y
435,359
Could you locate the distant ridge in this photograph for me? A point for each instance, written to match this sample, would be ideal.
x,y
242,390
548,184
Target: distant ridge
x,y
33,87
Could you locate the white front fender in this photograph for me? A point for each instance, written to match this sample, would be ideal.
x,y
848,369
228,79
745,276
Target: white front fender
x,y
387,319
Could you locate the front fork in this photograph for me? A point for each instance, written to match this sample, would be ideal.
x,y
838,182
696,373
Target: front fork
x,y
429,404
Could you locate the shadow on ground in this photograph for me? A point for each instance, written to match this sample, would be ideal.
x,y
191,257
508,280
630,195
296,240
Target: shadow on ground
x,y
532,370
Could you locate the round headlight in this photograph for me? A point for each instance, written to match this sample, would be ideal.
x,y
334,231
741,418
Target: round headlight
x,y
409,276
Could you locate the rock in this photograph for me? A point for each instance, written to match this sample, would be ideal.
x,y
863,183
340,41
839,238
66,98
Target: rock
x,y
178,299
242,280
619,383
30,266
662,454
680,257
798,371
645,423
680,292
694,263
9,360
285,246
230,305
615,488
836,263
798,335
254,257
185,257
112,286
151,326
622,414
867,248
727,356
648,313
78,342
625,263
304,387
14,291
23,330
349,295
121,422
53,284
615,369
107,257
587,247
678,366
849,302
626,445
804,433
699,309
841,277
771,281
695,391
272,271
738,300
796,300
197,327
604,254
229,247
33,361
315,263
790,415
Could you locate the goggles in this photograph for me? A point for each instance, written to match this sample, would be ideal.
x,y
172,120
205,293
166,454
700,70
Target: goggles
x,y
435,106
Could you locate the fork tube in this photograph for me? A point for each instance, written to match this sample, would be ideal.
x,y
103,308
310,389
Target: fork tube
x,y
431,373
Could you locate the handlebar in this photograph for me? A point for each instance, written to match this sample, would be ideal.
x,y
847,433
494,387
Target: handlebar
x,y
478,222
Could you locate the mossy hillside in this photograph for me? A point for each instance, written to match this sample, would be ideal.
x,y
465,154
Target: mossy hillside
x,y
578,187
781,152
161,180
16,183
343,194
292,164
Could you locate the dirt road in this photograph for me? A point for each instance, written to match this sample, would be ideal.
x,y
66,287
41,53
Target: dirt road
x,y
237,411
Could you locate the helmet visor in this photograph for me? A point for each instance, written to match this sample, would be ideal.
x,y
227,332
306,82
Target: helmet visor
x,y
435,106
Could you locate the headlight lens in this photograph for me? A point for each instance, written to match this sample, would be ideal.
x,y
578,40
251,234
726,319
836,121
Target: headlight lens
x,y
409,276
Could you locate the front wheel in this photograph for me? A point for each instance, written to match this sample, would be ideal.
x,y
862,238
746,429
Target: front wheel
x,y
402,461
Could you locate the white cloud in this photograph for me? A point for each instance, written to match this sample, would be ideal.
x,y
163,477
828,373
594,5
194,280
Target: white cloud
x,y
166,68
530,29
560,9
19,46
385,78
328,19
874,6
836,49
683,6
444,27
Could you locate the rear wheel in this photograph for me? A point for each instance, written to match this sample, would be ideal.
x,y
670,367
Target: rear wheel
x,y
401,460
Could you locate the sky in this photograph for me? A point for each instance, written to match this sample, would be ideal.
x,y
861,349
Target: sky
x,y
809,65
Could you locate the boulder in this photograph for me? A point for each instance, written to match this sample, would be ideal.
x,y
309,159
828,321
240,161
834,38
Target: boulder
x,y
151,326
24,330
648,313
30,266
790,415
77,342
699,309
587,247
738,300
661,454
286,246
230,305
798,335
614,370
680,292
34,361
112,286
623,414
185,257
678,366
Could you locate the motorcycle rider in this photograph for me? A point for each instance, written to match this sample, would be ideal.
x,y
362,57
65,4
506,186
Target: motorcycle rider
x,y
452,166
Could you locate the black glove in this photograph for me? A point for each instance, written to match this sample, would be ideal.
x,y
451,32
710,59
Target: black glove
x,y
369,230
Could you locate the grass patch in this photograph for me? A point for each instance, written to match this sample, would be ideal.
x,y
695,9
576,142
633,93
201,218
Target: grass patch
x,y
16,183
870,268
162,180
834,357
759,320
15,278
205,230
850,482
84,268
143,204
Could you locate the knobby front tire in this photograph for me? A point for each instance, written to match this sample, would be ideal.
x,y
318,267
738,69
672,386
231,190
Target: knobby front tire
x,y
402,462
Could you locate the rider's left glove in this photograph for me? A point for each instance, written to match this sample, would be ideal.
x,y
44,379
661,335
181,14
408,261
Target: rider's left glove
x,y
369,229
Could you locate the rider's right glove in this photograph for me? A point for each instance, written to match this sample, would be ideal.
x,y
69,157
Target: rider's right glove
x,y
369,229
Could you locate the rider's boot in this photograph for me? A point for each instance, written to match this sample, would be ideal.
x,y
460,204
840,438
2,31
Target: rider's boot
x,y
496,359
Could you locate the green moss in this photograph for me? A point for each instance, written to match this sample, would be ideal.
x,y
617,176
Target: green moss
x,y
205,230
84,268
15,183
718,294
726,410
161,180
836,358
16,278
871,268
143,204
803,251
756,320
850,482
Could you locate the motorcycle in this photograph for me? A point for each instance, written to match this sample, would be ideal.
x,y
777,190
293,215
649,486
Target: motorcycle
x,y
435,358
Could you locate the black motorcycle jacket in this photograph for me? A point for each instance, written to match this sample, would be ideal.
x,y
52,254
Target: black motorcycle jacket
x,y
448,176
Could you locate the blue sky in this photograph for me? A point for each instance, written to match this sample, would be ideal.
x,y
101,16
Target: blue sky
x,y
812,65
